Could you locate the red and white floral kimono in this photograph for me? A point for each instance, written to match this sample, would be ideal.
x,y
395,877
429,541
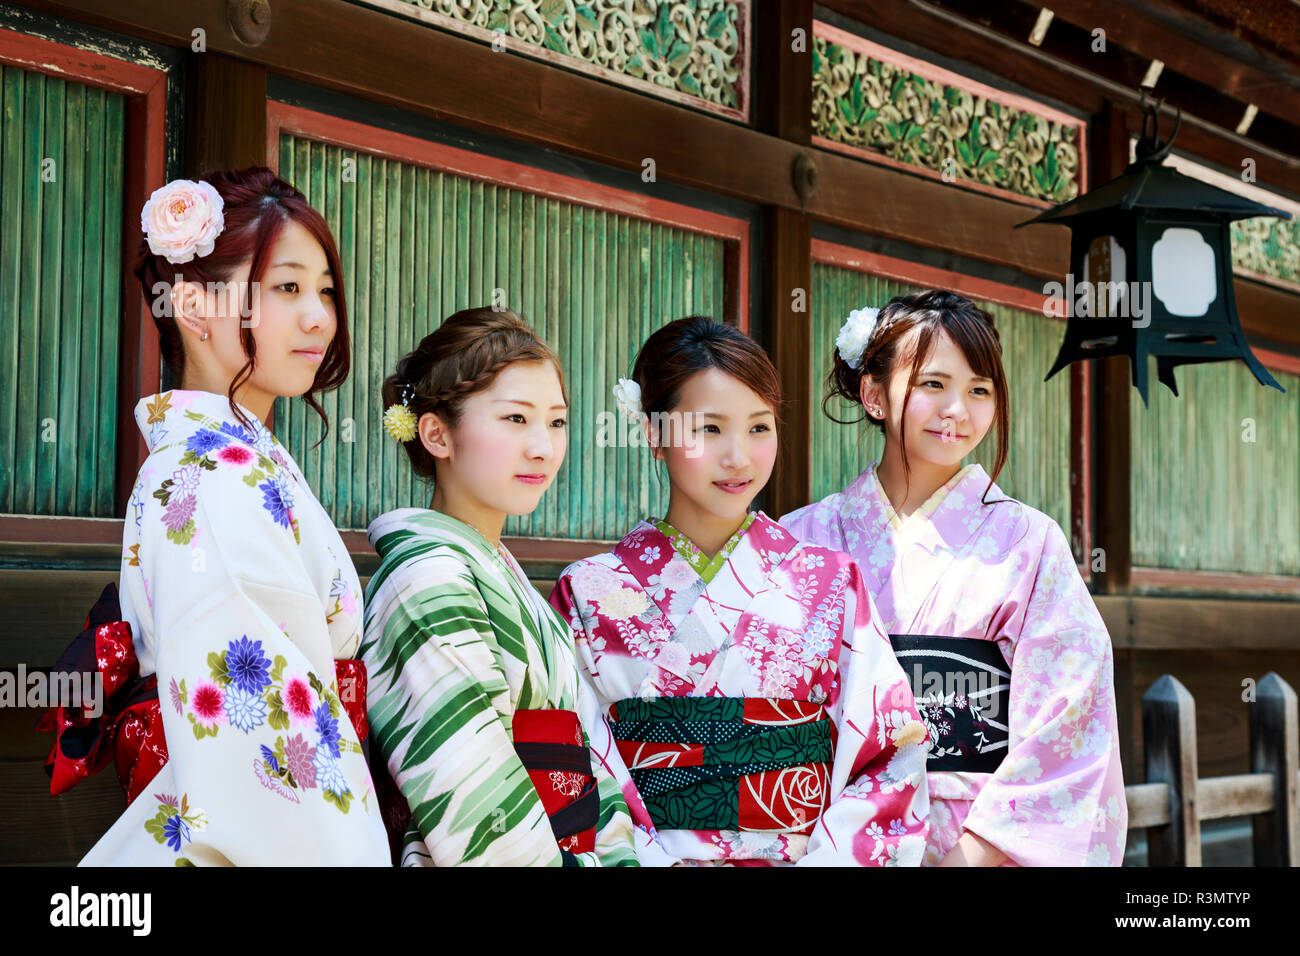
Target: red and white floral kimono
x,y
760,713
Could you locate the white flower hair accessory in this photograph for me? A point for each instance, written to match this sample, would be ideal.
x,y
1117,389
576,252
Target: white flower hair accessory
x,y
182,220
628,395
855,334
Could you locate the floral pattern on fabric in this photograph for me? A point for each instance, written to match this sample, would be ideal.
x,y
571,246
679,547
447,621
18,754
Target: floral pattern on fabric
x,y
223,444
1001,572
246,689
175,823
779,620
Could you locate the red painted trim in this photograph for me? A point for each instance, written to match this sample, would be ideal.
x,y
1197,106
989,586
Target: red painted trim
x,y
144,162
283,118
1278,361
46,56
1169,579
937,73
901,270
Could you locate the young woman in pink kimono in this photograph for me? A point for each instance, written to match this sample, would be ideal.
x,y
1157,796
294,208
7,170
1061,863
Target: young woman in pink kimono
x,y
750,691
1009,659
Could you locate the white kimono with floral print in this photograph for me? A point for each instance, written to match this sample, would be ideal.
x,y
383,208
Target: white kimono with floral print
x,y
999,572
240,595
778,620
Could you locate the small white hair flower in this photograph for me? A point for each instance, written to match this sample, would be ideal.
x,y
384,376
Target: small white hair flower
x,y
628,395
855,334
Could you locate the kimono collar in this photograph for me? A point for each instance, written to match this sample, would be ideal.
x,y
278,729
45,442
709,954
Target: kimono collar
x,y
646,550
392,530
701,563
868,485
179,414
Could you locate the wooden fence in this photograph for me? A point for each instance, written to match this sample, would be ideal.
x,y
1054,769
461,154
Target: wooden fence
x,y
1173,803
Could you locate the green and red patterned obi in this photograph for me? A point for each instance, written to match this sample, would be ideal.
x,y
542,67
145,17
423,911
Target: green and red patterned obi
x,y
727,763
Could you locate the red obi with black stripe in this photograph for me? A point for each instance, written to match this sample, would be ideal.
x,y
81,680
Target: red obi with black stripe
x,y
552,749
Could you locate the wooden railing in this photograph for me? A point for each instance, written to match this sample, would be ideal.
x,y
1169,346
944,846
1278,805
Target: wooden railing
x,y
1173,803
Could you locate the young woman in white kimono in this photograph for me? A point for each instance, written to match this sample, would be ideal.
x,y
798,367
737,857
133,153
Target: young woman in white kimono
x,y
1010,660
751,691
474,693
236,741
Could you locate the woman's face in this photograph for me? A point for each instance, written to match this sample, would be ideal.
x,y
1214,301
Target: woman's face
x,y
950,410
509,443
719,445
293,319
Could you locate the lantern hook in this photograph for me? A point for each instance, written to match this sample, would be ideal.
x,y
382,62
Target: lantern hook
x,y
1150,148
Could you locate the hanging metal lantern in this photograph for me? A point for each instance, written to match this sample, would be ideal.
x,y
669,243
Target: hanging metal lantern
x,y
1151,268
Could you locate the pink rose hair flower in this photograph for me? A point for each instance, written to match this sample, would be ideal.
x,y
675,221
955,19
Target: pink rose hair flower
x,y
182,220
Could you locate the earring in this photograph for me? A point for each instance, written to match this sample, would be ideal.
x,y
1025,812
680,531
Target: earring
x,y
204,337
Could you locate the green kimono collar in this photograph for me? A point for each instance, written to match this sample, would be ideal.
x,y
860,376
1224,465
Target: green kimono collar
x,y
704,566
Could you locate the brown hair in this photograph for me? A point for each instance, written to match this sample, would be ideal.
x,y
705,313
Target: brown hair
x,y
256,206
462,356
932,312
696,344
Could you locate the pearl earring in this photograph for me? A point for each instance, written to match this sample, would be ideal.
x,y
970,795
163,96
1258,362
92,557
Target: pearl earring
x,y
204,337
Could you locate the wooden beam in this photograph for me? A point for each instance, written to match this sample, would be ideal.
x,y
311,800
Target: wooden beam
x,y
783,107
1185,624
1169,733
226,118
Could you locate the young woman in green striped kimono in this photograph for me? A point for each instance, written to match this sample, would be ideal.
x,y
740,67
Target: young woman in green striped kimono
x,y
474,692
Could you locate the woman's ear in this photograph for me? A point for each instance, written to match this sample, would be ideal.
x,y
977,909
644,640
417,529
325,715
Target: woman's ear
x,y
872,394
434,435
652,438
187,302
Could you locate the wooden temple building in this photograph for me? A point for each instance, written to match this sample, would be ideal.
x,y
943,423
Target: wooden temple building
x,y
604,166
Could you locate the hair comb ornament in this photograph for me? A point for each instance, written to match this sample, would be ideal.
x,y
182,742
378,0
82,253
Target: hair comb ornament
x,y
399,420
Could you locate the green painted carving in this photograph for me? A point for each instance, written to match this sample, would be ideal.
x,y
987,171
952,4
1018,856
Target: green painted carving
x,y
863,102
1269,247
693,48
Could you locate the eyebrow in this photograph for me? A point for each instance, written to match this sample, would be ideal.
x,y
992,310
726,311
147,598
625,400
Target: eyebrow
x,y
520,401
766,411
297,265
937,374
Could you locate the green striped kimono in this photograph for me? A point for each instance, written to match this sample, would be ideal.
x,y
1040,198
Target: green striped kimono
x,y
456,641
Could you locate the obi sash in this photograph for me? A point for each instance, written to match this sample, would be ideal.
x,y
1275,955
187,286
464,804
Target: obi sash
x,y
552,749
962,687
727,763
129,731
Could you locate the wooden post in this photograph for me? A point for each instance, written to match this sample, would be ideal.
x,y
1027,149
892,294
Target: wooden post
x,y
1275,750
1169,733
227,114
783,108
1110,433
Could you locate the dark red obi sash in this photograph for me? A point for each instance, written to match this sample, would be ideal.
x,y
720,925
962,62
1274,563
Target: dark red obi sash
x,y
551,746
129,731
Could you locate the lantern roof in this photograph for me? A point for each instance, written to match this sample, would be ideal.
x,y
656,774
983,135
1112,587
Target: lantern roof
x,y
1148,185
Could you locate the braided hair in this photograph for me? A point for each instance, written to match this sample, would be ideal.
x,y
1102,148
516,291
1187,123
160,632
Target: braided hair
x,y
462,356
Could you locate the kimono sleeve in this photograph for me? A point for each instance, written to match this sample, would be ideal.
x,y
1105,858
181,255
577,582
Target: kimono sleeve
x,y
266,766
1057,799
437,695
879,800
605,755
615,833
